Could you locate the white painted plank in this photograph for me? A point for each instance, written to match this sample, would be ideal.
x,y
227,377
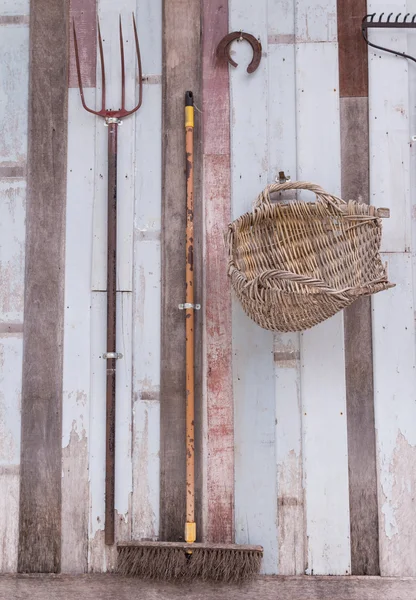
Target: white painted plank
x,y
395,416
14,7
11,347
108,13
12,250
14,64
389,129
253,378
282,157
146,280
316,21
77,338
325,459
101,557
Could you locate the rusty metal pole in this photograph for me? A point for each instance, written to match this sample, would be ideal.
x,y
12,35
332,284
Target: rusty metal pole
x,y
111,355
190,526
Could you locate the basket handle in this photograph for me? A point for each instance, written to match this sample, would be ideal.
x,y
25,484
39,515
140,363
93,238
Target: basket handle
x,y
322,196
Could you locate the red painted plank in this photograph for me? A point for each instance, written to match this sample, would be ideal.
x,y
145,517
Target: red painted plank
x,y
84,12
217,191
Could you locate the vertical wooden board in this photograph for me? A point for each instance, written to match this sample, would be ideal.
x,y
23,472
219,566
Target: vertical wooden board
x,y
395,388
181,72
41,441
101,557
77,338
316,21
146,473
14,50
84,14
149,27
12,250
282,157
354,149
389,130
146,389
218,494
253,380
325,459
322,348
108,13
290,499
10,405
353,53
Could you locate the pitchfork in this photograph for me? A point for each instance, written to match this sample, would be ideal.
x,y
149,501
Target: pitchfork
x,y
112,120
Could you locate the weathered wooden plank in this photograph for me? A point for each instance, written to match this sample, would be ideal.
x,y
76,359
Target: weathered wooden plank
x,y
253,367
322,348
12,251
358,343
282,157
10,397
109,12
40,481
389,130
102,557
77,336
107,587
219,427
181,68
353,53
395,389
84,14
14,76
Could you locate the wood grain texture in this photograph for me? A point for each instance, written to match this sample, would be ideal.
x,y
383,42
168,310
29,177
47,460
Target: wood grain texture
x,y
353,51
181,68
40,482
106,587
359,358
84,14
219,453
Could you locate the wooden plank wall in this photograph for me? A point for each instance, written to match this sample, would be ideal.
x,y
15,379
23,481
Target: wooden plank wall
x,y
14,49
300,451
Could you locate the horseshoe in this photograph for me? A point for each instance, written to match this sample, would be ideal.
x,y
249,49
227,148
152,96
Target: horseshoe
x,y
223,49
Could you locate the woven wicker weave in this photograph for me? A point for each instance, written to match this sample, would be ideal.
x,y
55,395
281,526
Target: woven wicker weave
x,y
295,264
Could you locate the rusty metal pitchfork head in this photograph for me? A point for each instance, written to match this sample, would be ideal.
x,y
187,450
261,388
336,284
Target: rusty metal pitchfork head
x,y
106,113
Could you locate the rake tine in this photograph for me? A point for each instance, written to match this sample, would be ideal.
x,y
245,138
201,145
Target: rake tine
x,y
397,18
405,17
372,17
78,65
100,43
389,17
123,72
381,17
414,17
139,65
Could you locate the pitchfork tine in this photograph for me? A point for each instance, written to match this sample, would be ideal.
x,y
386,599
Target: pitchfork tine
x,y
77,62
123,72
139,63
100,45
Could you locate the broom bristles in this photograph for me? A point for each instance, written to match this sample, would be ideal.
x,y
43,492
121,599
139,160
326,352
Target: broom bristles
x,y
176,563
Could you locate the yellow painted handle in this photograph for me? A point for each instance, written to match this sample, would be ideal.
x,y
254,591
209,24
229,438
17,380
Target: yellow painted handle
x,y
189,116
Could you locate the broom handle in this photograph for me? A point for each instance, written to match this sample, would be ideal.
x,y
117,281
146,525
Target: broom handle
x,y
190,527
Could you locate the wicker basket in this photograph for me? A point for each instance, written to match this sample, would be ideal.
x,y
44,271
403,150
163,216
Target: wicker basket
x,y
295,264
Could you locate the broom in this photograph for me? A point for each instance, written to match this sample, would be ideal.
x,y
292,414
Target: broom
x,y
189,560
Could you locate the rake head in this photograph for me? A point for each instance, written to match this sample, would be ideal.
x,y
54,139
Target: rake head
x,y
106,113
371,22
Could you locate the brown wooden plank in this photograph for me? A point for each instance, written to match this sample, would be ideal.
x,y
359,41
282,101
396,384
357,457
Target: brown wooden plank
x,y
84,13
181,72
108,587
353,70
219,502
359,361
40,482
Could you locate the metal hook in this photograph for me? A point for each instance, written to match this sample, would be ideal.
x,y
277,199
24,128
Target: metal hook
x,y
223,49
